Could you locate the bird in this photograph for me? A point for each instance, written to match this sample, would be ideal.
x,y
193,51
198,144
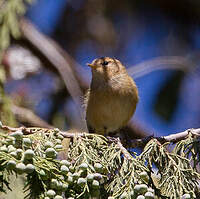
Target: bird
x,y
111,98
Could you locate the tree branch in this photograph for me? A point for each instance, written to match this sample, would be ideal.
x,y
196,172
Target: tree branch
x,y
50,50
27,116
169,138
134,142
161,63
182,135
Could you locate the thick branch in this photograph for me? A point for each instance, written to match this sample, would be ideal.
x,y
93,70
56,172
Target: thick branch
x,y
50,49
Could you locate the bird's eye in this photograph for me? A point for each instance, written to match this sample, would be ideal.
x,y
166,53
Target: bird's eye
x,y
105,63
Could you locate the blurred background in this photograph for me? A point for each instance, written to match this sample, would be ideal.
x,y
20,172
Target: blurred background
x,y
158,41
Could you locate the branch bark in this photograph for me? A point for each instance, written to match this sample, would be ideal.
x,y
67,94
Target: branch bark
x,y
175,137
134,142
182,135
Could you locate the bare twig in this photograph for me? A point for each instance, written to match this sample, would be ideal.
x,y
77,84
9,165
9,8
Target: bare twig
x,y
182,135
169,138
67,134
160,63
9,129
32,130
27,116
135,142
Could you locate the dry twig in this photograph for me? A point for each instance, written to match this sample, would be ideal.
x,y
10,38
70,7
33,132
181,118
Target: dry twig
x,y
175,137
26,115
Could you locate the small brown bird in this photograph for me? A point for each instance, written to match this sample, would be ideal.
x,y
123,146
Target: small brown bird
x,y
112,97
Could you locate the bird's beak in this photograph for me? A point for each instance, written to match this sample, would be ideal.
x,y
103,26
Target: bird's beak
x,y
92,66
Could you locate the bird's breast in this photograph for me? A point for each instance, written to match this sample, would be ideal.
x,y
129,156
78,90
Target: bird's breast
x,y
108,111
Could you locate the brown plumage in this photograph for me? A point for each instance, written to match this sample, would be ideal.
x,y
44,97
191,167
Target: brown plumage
x,y
112,98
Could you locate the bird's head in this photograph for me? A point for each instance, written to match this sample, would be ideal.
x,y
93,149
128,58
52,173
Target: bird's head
x,y
106,68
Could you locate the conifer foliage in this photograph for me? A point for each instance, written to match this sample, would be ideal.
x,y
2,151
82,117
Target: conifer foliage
x,y
96,166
